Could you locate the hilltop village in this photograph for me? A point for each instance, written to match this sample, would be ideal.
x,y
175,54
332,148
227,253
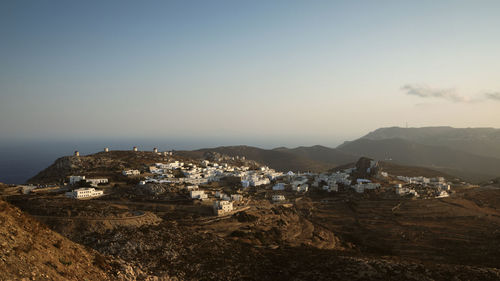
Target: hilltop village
x,y
229,187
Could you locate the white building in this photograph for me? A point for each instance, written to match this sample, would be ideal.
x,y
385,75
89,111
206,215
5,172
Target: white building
x,y
95,182
131,173
222,207
75,179
278,197
84,193
198,194
363,185
443,194
191,187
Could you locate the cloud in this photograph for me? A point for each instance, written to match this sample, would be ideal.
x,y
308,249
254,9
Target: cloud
x,y
448,94
426,92
492,96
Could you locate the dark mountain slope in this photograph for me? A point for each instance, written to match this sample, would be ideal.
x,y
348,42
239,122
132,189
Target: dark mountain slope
x,y
455,162
479,141
411,171
315,158
321,154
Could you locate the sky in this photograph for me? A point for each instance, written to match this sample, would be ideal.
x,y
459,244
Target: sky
x,y
268,73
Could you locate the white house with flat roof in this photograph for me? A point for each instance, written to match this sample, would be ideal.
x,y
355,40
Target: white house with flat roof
x,y
75,179
222,207
131,172
198,194
95,182
86,192
278,197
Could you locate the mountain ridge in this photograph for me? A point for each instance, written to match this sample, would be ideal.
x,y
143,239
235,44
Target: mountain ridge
x,y
479,141
463,164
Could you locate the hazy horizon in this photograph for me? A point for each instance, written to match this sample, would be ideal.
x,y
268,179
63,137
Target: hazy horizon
x,y
287,71
22,159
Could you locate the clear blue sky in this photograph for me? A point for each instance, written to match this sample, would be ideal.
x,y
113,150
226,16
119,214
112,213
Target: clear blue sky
x,y
256,72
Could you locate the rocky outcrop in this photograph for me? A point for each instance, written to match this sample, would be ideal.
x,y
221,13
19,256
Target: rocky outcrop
x,y
367,168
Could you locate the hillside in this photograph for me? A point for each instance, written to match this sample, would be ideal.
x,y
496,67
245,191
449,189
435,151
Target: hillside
x,y
102,164
31,250
320,153
469,166
479,141
411,171
316,158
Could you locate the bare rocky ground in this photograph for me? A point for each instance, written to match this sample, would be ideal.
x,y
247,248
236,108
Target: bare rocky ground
x,y
31,251
269,242
169,249
348,238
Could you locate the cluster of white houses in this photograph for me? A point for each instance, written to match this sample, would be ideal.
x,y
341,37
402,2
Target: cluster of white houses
x,y
204,172
209,172
73,180
411,186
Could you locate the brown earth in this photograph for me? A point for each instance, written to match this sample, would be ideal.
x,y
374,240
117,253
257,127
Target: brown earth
x,y
31,251
72,217
462,229
351,238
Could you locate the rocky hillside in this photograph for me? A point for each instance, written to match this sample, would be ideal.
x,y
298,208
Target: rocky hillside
x,y
166,250
32,251
105,164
